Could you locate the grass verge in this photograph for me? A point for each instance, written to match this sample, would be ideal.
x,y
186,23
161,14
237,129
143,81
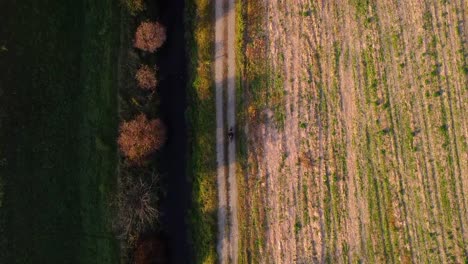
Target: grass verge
x,y
201,116
253,98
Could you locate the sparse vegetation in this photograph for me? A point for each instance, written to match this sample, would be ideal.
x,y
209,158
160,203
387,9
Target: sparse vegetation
x,y
255,97
370,166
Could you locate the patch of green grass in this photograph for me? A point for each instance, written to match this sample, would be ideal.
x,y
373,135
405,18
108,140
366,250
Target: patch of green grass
x,y
61,63
201,115
276,99
297,226
362,7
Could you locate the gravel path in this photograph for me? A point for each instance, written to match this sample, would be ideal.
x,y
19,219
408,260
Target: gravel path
x,y
225,112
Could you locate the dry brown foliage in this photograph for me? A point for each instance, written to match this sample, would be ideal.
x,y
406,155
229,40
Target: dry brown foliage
x,y
150,36
146,77
150,251
140,137
256,49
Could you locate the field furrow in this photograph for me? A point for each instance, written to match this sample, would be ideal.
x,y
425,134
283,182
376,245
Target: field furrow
x,y
364,134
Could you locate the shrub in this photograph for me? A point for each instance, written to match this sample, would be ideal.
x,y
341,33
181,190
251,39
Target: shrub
x,y
136,205
140,137
150,250
150,36
146,77
134,6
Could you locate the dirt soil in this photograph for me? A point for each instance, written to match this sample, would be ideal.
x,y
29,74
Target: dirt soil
x,y
369,161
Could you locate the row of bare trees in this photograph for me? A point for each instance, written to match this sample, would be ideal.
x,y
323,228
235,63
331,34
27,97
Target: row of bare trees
x,y
139,138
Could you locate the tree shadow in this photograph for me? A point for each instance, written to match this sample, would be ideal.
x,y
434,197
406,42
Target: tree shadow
x,y
224,10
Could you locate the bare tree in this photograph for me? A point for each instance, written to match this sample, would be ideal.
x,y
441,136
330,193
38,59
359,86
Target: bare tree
x,y
136,203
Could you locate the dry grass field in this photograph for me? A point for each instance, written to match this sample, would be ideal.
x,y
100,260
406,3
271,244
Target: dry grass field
x,y
355,115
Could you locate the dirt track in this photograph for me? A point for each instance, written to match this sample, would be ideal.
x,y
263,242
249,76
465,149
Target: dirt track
x,y
225,119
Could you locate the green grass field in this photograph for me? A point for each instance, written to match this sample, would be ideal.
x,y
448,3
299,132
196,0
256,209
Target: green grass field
x,y
58,124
